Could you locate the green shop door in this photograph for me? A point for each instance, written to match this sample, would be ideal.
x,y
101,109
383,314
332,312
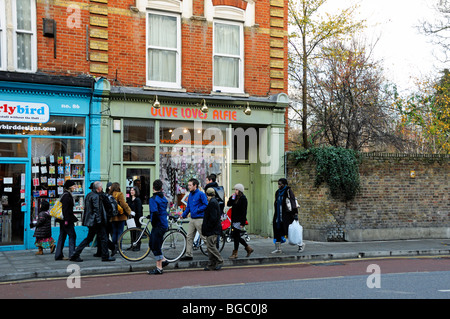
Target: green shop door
x,y
13,209
241,174
141,177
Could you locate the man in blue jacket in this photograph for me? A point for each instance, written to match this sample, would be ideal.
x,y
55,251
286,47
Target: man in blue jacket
x,y
196,206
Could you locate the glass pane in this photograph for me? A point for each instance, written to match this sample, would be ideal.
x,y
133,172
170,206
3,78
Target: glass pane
x,y
23,9
162,31
13,147
162,65
24,51
57,125
138,131
226,39
12,195
138,153
174,132
140,178
226,72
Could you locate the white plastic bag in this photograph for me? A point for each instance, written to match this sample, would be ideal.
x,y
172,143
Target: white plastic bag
x,y
131,223
295,233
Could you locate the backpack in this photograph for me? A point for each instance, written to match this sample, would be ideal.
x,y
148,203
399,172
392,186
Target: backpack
x,y
220,196
115,206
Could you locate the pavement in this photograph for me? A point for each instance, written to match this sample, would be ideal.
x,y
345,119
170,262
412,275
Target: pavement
x,y
25,265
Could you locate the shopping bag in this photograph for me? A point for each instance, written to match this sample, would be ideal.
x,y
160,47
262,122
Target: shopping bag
x,y
56,211
295,233
131,223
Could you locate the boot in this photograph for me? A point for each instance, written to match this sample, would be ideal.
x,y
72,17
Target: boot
x,y
277,248
249,251
40,251
52,248
234,255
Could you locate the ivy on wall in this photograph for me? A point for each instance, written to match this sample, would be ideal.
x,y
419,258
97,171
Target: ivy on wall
x,y
338,167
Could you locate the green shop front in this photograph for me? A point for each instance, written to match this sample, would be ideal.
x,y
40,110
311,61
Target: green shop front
x,y
172,136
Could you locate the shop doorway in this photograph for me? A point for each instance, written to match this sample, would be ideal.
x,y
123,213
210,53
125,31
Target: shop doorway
x,y
241,174
142,177
13,207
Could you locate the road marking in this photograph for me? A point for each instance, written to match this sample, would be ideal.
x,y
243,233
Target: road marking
x,y
102,295
444,290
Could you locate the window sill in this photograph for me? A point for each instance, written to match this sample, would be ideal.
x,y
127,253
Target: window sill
x,y
153,88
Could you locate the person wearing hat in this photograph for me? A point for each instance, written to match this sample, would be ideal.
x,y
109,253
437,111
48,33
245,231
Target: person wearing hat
x,y
67,225
211,228
238,203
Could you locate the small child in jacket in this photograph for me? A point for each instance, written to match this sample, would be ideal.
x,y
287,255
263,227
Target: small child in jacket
x,y
43,232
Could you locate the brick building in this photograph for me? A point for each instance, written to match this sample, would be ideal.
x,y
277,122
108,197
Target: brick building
x,y
115,79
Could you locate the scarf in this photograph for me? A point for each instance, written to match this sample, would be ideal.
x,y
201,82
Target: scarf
x,y
279,206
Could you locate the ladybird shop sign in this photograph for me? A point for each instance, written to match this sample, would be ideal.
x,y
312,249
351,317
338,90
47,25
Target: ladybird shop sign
x,y
193,113
24,112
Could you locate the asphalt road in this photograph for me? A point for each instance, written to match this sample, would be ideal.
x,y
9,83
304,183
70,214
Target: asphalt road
x,y
386,278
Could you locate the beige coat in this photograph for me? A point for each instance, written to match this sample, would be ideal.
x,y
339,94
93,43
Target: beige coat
x,y
125,211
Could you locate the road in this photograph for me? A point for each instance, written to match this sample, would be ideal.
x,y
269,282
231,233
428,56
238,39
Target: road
x,y
386,278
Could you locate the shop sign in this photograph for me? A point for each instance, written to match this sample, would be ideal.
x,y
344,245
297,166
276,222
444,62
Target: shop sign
x,y
24,112
193,114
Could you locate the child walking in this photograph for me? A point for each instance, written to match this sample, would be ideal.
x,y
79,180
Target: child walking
x,y
43,232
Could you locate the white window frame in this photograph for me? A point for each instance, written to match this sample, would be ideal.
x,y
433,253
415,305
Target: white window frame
x,y
33,36
160,84
2,35
240,88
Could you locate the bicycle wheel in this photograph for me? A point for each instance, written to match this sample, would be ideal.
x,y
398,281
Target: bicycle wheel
x,y
133,250
222,241
174,245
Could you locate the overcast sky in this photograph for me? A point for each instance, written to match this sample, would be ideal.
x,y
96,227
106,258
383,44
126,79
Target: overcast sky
x,y
406,53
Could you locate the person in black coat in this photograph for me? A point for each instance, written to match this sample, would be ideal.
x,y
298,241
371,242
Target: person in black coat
x,y
95,219
238,203
211,228
135,203
43,232
67,225
284,214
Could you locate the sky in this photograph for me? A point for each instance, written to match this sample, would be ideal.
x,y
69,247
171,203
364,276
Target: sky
x,y
406,53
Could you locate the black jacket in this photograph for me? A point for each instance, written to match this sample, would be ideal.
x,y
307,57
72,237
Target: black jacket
x,y
239,209
94,212
43,225
287,216
67,207
211,220
135,205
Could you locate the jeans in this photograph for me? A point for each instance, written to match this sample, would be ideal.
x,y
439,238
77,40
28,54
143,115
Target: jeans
x,y
64,231
117,230
156,239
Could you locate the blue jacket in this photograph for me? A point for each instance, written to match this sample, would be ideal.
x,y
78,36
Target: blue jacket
x,y
158,210
196,205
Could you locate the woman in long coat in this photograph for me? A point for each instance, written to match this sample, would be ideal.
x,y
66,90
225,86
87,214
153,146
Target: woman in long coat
x,y
283,216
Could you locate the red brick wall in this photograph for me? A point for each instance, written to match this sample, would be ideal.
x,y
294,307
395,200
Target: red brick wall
x,y
126,46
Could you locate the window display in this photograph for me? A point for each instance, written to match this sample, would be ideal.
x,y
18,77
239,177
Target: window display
x,y
53,162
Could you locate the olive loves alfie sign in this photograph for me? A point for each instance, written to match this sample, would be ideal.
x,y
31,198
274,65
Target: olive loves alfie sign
x,y
193,113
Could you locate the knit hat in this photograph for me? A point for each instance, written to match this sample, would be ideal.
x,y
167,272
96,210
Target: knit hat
x,y
239,187
68,183
210,192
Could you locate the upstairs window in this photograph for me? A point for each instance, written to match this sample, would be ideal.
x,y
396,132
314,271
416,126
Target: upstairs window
x,y
228,57
163,50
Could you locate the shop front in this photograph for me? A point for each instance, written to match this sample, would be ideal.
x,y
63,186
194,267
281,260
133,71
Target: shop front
x,y
181,140
43,142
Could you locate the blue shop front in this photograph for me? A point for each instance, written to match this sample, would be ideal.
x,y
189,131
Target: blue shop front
x,y
44,134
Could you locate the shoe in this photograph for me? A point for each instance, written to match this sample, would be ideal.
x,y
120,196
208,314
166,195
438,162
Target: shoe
x,y
186,258
218,266
155,271
109,259
76,258
234,255
40,251
165,263
249,251
52,248
62,258
277,248
301,248
207,268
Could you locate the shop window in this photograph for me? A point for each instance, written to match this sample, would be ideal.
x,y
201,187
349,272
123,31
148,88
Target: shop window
x,y
176,132
133,153
13,147
138,131
163,50
56,126
53,162
228,57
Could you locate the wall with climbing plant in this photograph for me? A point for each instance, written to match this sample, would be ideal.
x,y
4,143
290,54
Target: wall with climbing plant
x,y
399,196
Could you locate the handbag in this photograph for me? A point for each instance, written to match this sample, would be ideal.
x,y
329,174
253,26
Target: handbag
x,y
56,210
131,223
295,233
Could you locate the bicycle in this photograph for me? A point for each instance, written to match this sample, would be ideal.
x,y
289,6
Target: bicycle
x,y
173,246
